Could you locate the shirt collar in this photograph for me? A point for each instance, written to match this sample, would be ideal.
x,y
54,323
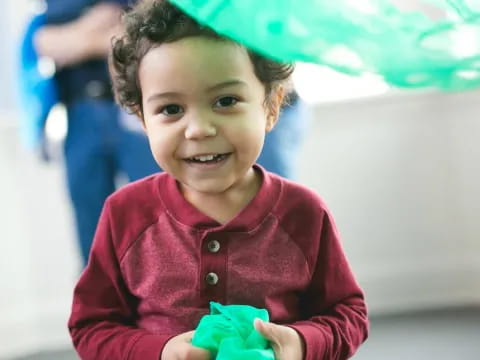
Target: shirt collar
x,y
248,218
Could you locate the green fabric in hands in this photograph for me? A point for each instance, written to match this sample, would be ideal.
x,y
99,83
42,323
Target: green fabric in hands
x,y
228,333
425,43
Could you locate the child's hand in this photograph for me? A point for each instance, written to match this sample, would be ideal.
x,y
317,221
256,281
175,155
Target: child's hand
x,y
286,342
180,348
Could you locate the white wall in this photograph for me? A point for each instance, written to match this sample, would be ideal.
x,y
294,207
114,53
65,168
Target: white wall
x,y
400,174
38,256
12,19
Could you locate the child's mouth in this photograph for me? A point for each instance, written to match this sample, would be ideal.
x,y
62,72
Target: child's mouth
x,y
207,159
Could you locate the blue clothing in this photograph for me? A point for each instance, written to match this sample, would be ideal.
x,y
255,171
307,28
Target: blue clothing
x,y
61,11
99,148
37,91
91,77
282,145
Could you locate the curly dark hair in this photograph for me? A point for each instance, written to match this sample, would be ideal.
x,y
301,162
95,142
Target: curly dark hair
x,y
153,22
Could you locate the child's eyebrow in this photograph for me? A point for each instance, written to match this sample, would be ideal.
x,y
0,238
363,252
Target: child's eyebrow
x,y
225,84
171,94
168,94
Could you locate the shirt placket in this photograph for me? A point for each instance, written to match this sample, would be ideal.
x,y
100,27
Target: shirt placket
x,y
213,271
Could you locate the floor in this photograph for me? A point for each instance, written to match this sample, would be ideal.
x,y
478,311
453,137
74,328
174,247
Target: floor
x,y
429,335
434,335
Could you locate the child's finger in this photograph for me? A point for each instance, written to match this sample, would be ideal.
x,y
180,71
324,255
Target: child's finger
x,y
267,330
196,353
188,336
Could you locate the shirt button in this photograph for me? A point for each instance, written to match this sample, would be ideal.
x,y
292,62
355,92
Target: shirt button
x,y
213,246
211,278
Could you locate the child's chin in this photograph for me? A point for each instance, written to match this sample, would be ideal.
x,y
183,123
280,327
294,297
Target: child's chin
x,y
211,187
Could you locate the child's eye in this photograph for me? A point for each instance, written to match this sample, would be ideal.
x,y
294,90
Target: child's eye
x,y
171,109
226,101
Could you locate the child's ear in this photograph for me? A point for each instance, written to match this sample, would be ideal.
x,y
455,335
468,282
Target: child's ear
x,y
273,107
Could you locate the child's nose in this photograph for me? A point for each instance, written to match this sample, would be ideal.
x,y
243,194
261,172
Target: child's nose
x,y
199,127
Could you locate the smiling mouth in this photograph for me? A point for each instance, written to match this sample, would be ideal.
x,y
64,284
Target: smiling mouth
x,y
207,159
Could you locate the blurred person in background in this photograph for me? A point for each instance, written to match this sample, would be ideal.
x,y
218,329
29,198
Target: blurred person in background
x,y
282,145
103,141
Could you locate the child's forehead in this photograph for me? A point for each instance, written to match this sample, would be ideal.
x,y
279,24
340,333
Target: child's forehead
x,y
197,66
196,46
199,57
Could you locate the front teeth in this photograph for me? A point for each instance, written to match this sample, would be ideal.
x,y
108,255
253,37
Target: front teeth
x,y
204,158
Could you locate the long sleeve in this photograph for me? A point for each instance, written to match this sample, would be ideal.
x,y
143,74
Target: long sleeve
x,y
102,319
337,315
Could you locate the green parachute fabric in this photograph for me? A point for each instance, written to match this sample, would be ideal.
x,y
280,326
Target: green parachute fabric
x,y
228,333
410,43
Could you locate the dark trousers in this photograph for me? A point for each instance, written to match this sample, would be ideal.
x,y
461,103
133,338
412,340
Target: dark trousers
x,y
99,150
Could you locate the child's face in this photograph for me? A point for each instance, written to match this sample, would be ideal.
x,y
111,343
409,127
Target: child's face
x,y
204,113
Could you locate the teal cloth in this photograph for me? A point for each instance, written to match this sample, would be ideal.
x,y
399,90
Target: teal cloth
x,y
228,333
435,43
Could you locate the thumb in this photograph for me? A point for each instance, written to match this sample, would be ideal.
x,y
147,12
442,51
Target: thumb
x,y
198,353
266,329
188,336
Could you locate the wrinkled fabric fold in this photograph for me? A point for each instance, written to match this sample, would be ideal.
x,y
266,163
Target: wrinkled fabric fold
x,y
228,333
430,43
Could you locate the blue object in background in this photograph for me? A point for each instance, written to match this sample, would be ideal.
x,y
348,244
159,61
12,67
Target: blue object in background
x,y
37,92
282,146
